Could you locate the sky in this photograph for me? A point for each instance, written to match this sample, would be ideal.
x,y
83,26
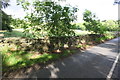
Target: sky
x,y
104,9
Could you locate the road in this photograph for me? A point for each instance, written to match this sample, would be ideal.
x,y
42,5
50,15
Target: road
x,y
97,62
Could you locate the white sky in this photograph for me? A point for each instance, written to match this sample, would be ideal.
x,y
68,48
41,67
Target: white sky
x,y
104,9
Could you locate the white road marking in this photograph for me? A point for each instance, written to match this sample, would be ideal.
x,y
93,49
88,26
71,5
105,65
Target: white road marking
x,y
113,67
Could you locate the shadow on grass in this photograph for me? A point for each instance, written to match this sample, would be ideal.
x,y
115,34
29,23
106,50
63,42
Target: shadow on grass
x,y
24,59
87,65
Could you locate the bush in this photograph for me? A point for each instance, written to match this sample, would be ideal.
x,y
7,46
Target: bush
x,y
18,23
81,26
110,25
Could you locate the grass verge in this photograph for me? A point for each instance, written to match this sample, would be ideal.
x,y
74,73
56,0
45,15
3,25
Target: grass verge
x,y
13,59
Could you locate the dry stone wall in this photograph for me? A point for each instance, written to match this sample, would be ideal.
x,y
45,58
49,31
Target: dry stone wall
x,y
50,43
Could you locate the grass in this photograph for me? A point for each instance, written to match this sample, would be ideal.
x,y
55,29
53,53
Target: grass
x,y
12,58
19,33
79,32
14,33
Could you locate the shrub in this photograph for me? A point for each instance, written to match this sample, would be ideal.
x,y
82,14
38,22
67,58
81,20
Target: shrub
x,y
18,23
81,26
110,25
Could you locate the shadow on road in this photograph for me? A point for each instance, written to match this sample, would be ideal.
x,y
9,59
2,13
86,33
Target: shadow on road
x,y
93,63
77,66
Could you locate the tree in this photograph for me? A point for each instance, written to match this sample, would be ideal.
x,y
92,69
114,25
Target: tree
x,y
92,23
5,18
18,23
4,4
50,17
117,2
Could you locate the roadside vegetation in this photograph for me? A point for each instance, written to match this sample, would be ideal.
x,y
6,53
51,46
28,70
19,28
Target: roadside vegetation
x,y
50,19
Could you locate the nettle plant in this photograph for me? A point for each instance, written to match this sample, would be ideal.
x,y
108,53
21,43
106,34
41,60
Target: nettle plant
x,y
48,18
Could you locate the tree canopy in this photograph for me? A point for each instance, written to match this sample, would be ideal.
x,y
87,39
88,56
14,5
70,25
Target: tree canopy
x,y
5,20
49,17
92,23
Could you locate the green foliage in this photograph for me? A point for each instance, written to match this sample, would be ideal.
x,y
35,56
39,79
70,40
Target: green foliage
x,y
106,37
6,20
16,33
111,25
4,3
13,59
92,23
18,23
75,26
79,46
80,26
51,18
24,3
